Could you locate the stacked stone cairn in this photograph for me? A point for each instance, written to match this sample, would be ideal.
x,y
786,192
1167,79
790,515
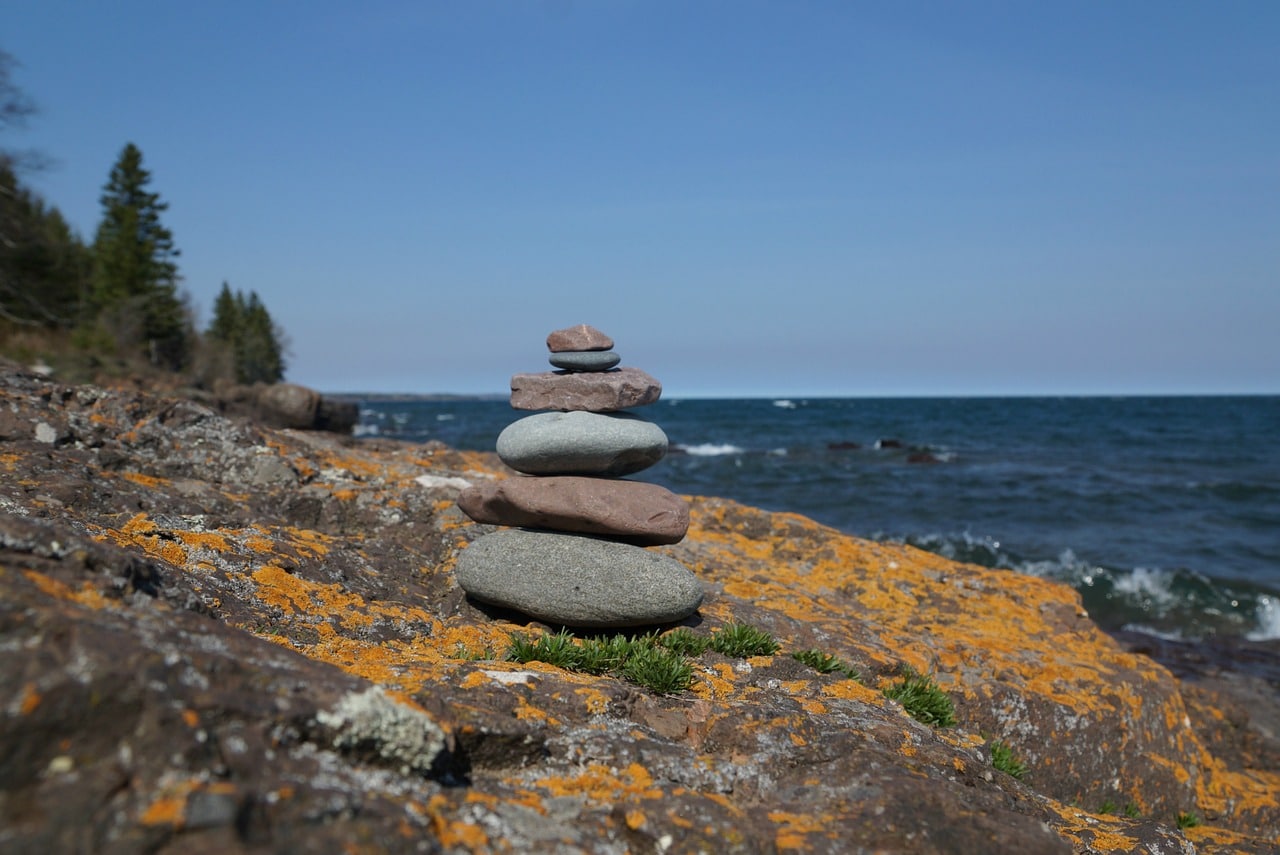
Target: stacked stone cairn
x,y
575,555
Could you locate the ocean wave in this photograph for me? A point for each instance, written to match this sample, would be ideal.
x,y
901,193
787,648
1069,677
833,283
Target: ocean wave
x,y
1178,604
711,449
1267,615
785,404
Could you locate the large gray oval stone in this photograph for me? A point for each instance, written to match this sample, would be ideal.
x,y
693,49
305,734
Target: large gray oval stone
x,y
581,443
577,581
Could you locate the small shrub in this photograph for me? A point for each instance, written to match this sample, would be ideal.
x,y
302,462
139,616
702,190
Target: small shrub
x,y
1004,760
826,663
684,642
658,669
1188,820
740,641
922,698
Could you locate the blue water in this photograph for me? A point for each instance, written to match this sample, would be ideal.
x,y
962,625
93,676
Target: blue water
x,y
1164,512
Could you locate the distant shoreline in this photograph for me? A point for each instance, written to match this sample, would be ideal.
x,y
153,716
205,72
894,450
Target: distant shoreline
x,y
397,397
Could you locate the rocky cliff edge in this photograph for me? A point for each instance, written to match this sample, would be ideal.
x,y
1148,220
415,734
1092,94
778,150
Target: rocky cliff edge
x,y
220,637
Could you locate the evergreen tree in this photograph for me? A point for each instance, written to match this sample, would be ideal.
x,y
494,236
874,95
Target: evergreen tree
x,y
245,327
135,277
44,266
42,262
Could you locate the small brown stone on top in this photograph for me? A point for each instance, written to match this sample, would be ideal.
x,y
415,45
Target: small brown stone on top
x,y
581,337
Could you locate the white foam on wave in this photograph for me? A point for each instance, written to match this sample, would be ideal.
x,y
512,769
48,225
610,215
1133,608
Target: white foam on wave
x,y
1152,585
710,449
785,404
364,430
1268,617
444,417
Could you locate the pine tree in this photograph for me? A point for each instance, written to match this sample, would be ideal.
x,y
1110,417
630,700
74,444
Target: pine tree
x,y
44,266
135,276
245,327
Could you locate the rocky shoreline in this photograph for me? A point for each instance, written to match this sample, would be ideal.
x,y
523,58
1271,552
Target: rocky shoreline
x,y
219,636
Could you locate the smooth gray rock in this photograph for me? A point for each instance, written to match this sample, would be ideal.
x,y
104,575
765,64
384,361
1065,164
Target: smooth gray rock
x,y
577,581
585,360
581,443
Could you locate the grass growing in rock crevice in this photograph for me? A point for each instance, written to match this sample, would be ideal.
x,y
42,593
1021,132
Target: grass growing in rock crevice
x,y
826,663
1004,760
639,659
922,698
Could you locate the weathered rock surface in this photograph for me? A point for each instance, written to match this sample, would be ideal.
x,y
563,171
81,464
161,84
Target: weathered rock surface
x,y
576,580
593,391
585,360
579,443
220,638
580,337
644,514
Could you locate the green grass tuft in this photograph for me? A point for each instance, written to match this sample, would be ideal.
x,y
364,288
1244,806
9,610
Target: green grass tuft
x,y
640,659
923,699
1108,806
1004,760
826,663
684,642
739,640
658,669
1188,820
1132,811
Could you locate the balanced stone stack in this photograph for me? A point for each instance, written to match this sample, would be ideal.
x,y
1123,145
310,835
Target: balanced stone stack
x,y
577,555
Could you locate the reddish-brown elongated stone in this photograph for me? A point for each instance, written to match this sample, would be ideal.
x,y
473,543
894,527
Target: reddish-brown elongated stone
x,y
641,513
590,391
580,337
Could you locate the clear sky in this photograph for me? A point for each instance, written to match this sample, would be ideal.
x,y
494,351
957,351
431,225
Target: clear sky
x,y
753,198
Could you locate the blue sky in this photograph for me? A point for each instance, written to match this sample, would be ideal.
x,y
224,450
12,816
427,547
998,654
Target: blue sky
x,y
753,198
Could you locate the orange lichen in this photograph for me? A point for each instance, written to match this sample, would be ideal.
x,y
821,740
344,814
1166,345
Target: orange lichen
x,y
793,828
85,595
151,481
29,700
455,832
601,784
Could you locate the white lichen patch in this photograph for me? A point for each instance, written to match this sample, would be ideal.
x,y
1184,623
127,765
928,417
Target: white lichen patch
x,y
369,720
431,481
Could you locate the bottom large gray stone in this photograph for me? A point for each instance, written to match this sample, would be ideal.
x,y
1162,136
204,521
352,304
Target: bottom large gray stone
x,y
577,581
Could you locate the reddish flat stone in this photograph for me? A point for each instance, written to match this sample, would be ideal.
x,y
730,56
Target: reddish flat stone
x,y
593,391
581,337
638,512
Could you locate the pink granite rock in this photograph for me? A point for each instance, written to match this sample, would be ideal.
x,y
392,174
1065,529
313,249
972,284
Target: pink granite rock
x,y
638,512
581,337
594,392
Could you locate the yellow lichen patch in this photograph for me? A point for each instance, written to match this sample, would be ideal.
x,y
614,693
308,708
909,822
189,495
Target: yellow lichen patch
x,y
204,540
28,699
279,589
603,785
455,832
793,828
9,460
85,595
151,481
714,683
853,690
596,701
